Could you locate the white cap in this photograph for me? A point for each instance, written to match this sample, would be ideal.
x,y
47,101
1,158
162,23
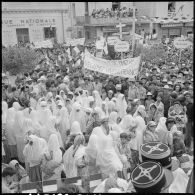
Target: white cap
x,y
42,78
66,79
166,87
43,103
148,93
164,80
170,83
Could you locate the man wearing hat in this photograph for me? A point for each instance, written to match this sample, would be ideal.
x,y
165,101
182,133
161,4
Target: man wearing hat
x,y
133,92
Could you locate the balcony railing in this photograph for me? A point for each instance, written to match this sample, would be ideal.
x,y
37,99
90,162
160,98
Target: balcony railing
x,y
170,14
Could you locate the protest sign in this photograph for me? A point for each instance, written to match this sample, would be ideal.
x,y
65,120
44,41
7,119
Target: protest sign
x,y
44,44
75,42
181,43
127,68
121,46
112,40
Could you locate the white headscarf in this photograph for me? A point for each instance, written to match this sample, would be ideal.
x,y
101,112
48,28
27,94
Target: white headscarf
x,y
127,122
10,126
75,128
111,106
140,111
27,125
100,112
54,146
121,105
63,119
16,106
33,153
78,116
97,98
4,111
91,149
113,123
19,119
85,100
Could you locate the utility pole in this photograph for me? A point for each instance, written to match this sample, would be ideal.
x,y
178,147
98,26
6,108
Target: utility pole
x,y
133,28
86,16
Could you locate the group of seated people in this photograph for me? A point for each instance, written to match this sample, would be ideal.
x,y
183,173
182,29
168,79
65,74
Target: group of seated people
x,y
122,12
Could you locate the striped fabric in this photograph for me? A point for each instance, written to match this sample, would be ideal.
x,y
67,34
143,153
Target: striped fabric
x,y
51,186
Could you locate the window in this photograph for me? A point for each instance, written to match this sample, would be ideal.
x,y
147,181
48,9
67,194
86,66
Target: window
x,y
22,35
88,35
49,32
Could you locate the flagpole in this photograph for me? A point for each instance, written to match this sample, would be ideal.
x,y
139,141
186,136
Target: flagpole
x,y
133,28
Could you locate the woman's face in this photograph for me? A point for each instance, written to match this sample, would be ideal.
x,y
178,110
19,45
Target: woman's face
x,y
152,128
177,88
153,109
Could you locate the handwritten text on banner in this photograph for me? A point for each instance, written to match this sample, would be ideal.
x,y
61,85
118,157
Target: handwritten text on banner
x,y
127,68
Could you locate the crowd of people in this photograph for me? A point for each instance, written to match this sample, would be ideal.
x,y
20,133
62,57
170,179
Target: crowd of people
x,y
117,13
61,121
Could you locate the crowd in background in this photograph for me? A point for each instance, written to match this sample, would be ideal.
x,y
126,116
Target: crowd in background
x,y
110,13
62,121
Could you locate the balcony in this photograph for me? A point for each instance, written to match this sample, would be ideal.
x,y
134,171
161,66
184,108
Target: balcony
x,y
108,21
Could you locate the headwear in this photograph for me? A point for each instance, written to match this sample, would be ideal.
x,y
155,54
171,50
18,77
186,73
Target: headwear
x,y
28,79
60,103
151,124
43,103
75,128
42,78
164,80
170,83
58,75
66,79
91,99
166,87
149,93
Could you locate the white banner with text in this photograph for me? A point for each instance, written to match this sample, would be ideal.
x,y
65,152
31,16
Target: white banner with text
x,y
127,68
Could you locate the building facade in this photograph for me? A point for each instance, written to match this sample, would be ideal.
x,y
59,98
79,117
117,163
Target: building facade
x,y
35,21
95,27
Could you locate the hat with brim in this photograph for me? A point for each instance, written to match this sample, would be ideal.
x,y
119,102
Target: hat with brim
x,y
149,94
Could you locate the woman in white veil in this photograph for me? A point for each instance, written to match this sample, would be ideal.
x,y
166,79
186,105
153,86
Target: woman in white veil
x,y
63,123
121,105
16,106
113,123
53,130
164,135
97,98
100,112
36,125
54,158
139,117
11,134
43,117
20,134
4,112
77,114
85,101
91,153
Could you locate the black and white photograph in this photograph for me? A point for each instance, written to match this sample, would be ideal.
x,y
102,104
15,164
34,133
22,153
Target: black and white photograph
x,y
97,97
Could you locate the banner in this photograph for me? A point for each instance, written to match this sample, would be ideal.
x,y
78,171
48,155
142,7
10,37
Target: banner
x,y
75,42
44,44
181,43
127,68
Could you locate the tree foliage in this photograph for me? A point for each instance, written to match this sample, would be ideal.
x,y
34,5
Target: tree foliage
x,y
19,60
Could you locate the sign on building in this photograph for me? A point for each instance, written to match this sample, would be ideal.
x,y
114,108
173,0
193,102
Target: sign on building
x,y
112,40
